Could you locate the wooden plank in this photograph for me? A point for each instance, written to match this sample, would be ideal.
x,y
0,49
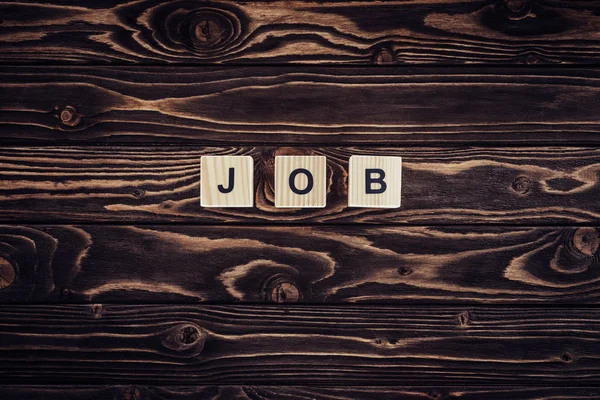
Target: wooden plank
x,y
141,392
550,185
299,105
314,32
247,345
328,264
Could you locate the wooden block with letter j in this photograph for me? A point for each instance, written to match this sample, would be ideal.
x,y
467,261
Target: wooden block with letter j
x,y
227,181
374,181
300,181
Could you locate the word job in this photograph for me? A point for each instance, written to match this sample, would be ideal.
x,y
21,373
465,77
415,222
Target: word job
x,y
300,181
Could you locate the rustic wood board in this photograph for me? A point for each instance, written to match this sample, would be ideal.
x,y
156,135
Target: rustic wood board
x,y
175,344
335,264
476,185
281,105
138,392
484,284
315,32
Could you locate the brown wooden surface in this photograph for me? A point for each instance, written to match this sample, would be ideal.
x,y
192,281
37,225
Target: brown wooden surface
x,y
337,264
281,105
440,185
138,392
297,345
356,32
484,285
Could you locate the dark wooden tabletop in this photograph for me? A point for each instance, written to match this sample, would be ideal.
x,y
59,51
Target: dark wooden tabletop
x,y
116,284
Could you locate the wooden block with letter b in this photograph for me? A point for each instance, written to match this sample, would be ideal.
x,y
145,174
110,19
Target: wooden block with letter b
x,y
300,181
227,181
374,181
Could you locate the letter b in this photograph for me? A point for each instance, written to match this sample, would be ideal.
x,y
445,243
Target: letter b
x,y
369,181
374,181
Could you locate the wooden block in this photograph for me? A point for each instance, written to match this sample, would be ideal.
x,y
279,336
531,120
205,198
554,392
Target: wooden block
x,y
227,181
374,181
300,181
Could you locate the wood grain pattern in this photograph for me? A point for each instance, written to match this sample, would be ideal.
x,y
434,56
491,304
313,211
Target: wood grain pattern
x,y
475,185
141,392
415,304
242,345
299,105
315,32
301,264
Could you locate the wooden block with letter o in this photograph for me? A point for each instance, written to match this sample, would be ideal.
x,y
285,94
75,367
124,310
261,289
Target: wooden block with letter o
x,y
227,181
374,181
300,181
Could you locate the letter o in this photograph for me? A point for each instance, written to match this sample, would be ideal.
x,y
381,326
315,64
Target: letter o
x,y
309,177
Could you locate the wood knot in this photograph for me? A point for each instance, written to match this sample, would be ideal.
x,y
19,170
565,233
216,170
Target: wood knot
x,y
435,395
576,251
167,204
209,30
185,338
566,357
405,271
384,56
464,319
282,289
532,59
97,311
521,185
516,6
69,116
138,193
188,335
386,342
585,240
521,18
285,292
8,273
516,9
132,393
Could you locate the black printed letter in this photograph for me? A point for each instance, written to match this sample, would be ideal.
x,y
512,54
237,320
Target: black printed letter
x,y
222,189
309,185
370,180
